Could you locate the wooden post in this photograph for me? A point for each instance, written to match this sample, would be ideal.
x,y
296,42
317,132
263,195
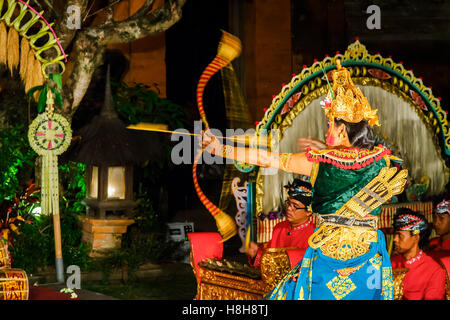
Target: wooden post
x,y
58,249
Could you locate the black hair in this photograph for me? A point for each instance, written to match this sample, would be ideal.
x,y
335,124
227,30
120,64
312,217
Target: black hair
x,y
360,135
424,235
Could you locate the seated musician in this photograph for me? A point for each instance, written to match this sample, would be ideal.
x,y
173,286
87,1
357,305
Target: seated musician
x,y
295,231
425,279
440,246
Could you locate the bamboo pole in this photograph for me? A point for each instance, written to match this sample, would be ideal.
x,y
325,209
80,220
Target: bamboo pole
x,y
58,248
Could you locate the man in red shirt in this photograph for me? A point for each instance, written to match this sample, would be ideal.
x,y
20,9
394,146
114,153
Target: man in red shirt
x,y
425,279
441,221
295,230
439,248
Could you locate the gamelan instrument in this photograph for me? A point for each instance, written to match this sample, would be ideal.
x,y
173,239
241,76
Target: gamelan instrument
x,y
13,284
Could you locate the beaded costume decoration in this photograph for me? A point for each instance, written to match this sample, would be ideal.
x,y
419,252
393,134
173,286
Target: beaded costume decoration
x,y
349,158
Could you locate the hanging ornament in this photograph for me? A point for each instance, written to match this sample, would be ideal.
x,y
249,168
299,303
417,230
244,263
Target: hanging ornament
x,y
49,136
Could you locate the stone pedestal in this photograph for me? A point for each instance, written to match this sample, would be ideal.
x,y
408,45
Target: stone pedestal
x,y
104,234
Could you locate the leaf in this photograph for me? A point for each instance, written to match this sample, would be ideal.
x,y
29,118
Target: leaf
x,y
34,89
57,78
42,100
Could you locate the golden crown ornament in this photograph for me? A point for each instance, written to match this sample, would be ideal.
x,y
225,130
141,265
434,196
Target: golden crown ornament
x,y
346,101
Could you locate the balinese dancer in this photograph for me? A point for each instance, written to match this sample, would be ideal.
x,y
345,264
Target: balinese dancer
x,y
295,231
351,178
425,279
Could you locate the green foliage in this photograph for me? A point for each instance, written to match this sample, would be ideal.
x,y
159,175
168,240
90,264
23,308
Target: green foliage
x,y
72,178
139,103
34,248
14,212
16,161
72,181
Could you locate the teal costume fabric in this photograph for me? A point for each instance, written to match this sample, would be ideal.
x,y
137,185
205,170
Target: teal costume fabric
x,y
316,277
335,186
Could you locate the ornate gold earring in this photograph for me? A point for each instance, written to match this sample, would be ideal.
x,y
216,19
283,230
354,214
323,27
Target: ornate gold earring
x,y
341,136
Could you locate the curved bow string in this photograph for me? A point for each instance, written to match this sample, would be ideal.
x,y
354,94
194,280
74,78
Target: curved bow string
x,y
229,48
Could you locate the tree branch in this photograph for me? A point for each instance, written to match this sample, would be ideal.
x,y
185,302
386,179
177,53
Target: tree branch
x,y
88,58
139,25
90,44
66,35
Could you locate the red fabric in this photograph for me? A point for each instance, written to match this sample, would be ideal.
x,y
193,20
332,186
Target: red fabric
x,y
205,245
285,236
439,249
425,279
446,262
295,255
438,244
42,293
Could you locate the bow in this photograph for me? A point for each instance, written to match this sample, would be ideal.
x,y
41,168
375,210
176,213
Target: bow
x,y
229,48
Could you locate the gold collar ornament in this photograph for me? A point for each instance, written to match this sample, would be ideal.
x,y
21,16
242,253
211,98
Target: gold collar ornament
x,y
346,101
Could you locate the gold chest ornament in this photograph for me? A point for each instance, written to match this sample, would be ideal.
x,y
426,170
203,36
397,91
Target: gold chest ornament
x,y
353,239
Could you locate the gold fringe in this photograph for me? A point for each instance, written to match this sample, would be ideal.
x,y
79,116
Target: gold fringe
x,y
29,73
13,49
24,49
38,78
3,43
38,70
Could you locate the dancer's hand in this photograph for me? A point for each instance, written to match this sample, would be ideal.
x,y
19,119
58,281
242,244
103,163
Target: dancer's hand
x,y
208,139
304,143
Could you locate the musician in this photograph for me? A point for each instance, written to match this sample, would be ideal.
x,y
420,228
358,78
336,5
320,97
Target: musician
x,y
441,222
425,279
295,231
439,248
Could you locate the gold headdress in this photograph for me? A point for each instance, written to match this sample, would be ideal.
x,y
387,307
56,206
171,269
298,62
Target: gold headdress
x,y
347,101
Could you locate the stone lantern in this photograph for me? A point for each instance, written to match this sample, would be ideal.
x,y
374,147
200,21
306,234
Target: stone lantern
x,y
109,150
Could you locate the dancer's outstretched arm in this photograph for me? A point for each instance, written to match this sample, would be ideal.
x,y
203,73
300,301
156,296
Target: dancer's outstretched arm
x,y
290,162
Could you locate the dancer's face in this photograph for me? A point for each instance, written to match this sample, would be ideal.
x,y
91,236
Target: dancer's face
x,y
335,133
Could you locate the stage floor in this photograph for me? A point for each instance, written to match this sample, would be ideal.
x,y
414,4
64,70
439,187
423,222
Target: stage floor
x,y
52,292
